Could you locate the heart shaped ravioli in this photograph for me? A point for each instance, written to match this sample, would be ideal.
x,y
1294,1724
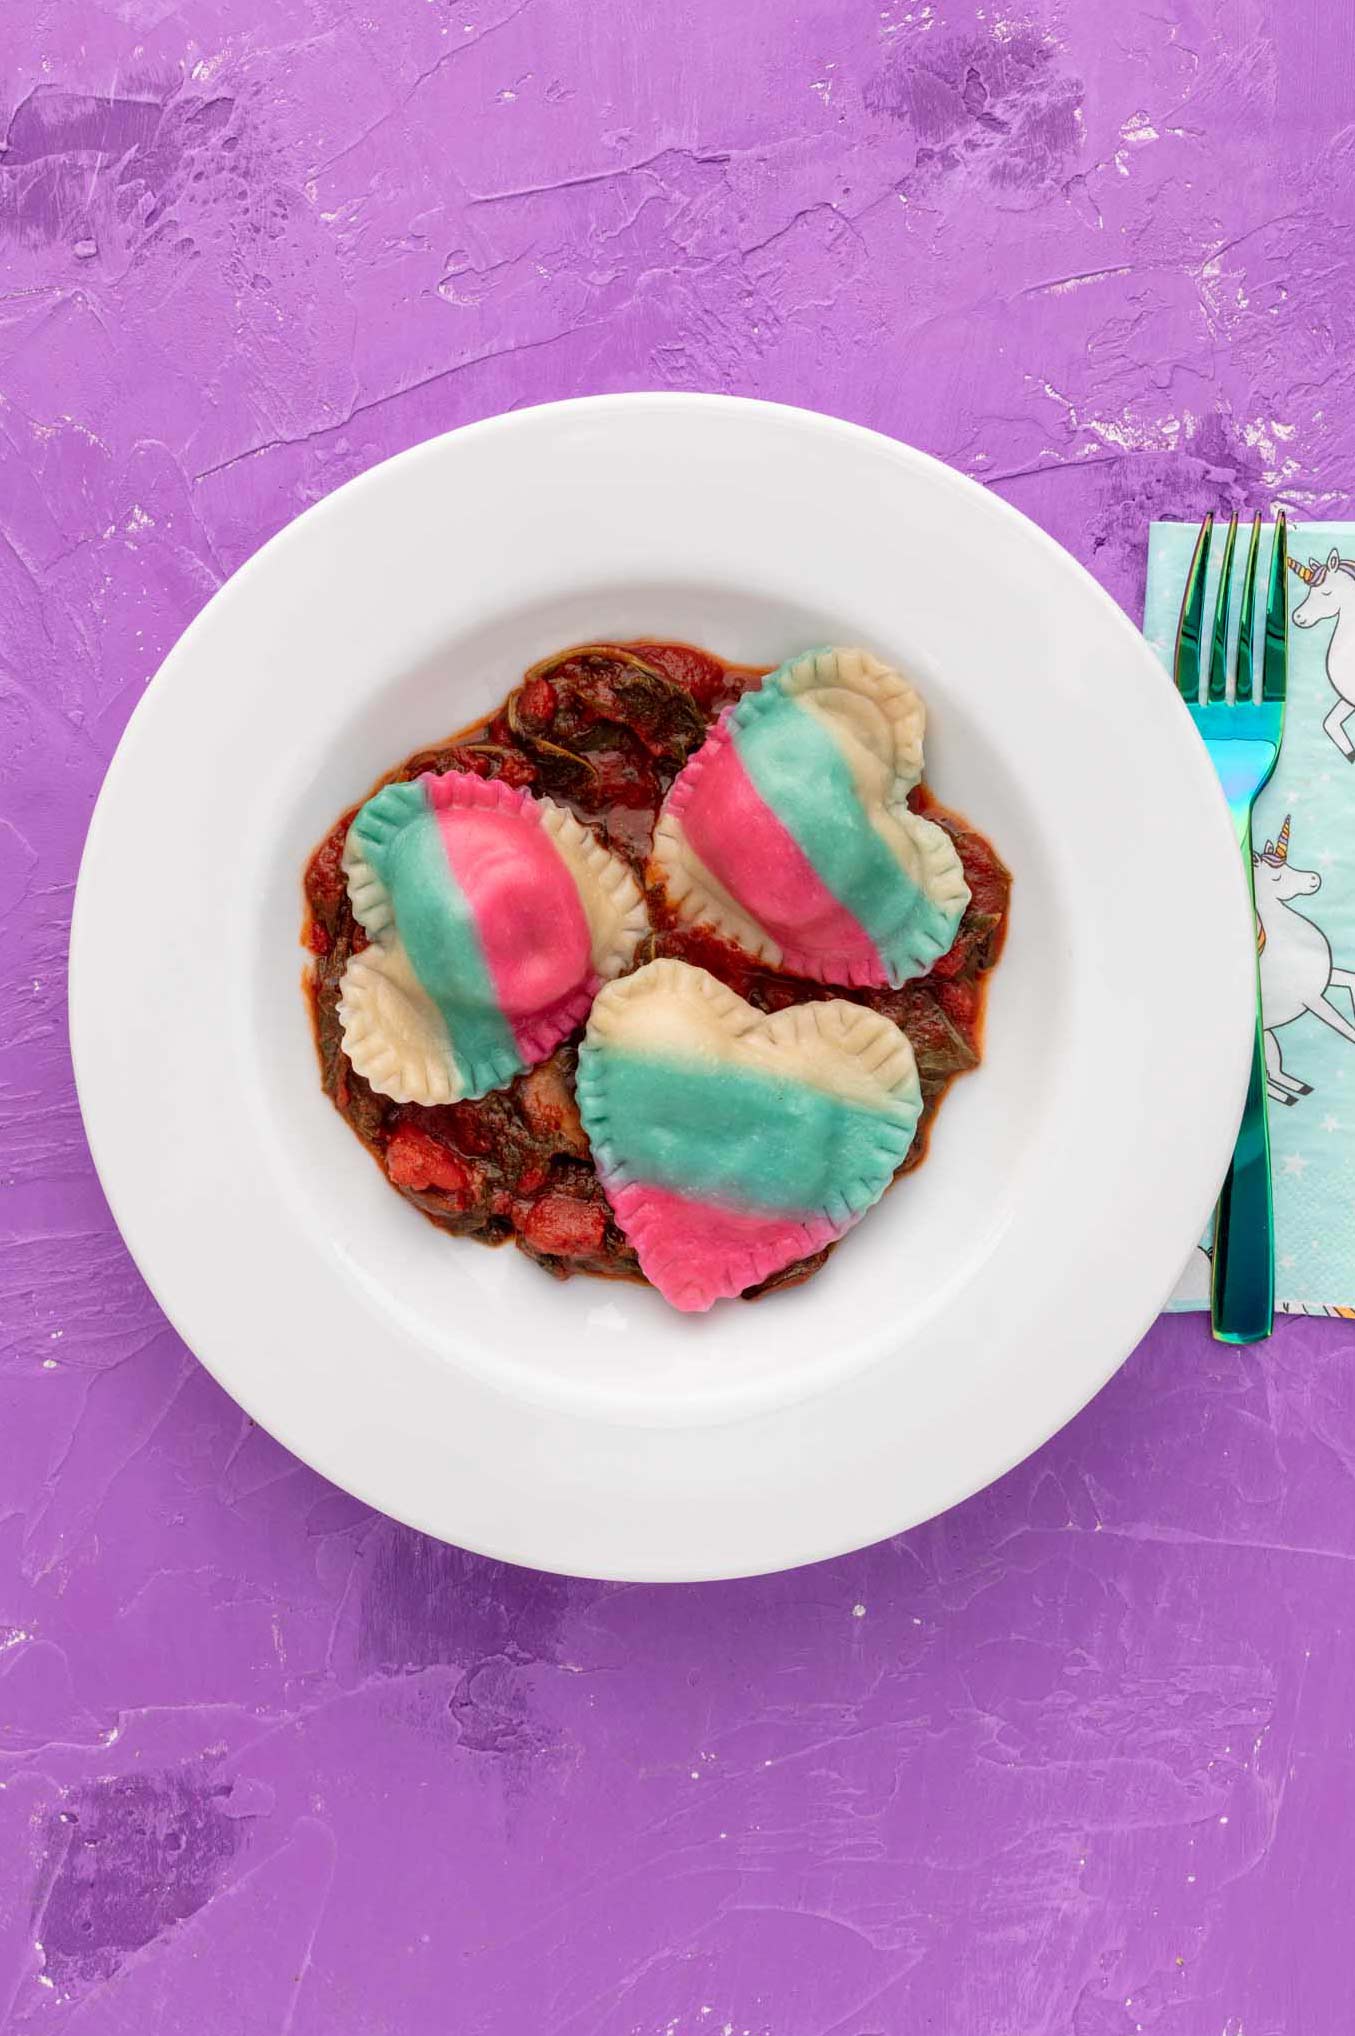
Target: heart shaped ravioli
x,y
493,918
789,831
730,1143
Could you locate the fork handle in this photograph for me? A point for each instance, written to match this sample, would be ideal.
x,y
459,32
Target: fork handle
x,y
1242,1292
1242,1287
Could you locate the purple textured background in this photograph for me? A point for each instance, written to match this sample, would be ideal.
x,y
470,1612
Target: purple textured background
x,y
1076,1758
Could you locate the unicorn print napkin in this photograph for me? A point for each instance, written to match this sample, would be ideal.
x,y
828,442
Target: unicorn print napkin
x,y
1304,867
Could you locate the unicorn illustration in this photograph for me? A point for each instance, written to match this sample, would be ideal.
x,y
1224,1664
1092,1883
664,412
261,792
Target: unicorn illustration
x,y
1296,960
1331,594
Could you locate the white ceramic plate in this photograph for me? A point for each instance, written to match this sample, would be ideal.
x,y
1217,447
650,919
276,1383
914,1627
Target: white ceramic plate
x,y
585,1427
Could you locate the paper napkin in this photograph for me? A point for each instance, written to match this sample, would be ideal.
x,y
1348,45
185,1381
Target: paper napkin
x,y
1305,829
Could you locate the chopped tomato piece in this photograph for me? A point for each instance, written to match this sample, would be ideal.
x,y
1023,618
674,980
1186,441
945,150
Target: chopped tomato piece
x,y
414,1160
564,1228
959,999
536,705
515,770
477,761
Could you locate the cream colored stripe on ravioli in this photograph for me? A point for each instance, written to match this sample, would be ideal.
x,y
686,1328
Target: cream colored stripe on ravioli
x,y
612,901
842,1049
869,696
874,780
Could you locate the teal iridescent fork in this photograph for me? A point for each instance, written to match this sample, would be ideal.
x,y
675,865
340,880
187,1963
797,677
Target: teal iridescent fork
x,y
1242,726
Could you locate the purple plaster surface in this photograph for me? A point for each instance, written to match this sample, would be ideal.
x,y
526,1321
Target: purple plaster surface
x,y
1077,1759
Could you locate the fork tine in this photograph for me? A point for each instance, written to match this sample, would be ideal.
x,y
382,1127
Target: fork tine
x,y
1186,667
1218,649
1247,618
1276,656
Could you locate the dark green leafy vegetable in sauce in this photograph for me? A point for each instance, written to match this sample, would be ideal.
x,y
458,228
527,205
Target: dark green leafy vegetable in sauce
x,y
604,729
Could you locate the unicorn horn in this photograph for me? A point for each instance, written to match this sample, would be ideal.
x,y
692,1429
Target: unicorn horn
x,y
1306,573
1282,842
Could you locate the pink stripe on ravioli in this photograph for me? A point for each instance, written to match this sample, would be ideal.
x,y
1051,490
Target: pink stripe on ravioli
x,y
685,1247
750,851
532,928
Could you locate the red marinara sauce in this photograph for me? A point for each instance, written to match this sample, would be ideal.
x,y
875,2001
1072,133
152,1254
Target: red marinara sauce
x,y
604,729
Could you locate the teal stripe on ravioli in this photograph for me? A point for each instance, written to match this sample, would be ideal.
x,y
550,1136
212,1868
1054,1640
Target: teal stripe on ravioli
x,y
799,771
740,1137
438,930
